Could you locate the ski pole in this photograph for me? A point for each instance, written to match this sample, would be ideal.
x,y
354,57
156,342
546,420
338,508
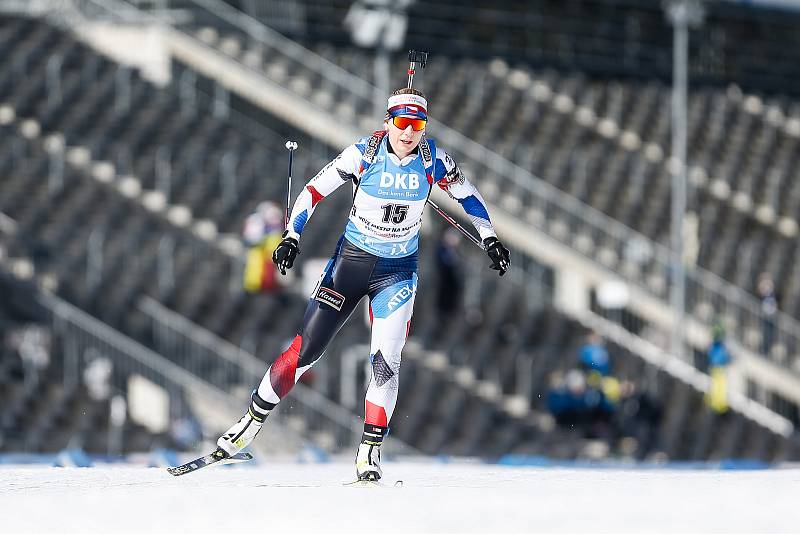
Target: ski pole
x,y
453,222
291,146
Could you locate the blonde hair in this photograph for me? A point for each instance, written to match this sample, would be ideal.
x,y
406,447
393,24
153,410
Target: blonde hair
x,y
409,91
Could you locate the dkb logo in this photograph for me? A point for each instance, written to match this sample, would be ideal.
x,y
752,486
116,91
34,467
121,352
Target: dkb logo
x,y
400,180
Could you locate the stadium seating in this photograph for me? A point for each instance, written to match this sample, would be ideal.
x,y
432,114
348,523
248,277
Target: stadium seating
x,y
609,38
525,110
153,129
615,159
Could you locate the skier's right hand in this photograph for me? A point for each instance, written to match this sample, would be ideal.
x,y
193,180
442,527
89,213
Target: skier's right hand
x,y
286,251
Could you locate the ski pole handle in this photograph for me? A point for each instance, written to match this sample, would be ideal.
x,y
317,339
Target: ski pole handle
x,y
414,57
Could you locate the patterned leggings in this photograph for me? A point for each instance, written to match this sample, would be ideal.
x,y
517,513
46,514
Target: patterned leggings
x,y
352,273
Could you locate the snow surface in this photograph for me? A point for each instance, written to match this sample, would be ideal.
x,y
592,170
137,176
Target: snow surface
x,y
435,497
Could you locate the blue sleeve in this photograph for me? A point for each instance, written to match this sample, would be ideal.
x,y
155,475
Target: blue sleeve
x,y
473,206
449,177
439,170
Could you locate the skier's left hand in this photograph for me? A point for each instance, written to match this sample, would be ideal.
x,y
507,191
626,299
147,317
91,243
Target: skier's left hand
x,y
499,254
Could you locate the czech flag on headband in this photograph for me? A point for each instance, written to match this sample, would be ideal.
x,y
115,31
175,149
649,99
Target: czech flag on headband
x,y
408,105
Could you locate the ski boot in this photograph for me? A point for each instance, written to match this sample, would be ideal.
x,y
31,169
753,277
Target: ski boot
x,y
368,458
368,462
242,433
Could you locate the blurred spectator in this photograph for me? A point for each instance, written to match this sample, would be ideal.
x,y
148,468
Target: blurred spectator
x,y
718,360
638,417
262,233
186,432
574,403
32,343
594,355
451,275
598,410
565,397
97,372
185,429
765,289
97,377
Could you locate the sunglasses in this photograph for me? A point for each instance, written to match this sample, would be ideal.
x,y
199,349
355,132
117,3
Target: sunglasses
x,y
403,122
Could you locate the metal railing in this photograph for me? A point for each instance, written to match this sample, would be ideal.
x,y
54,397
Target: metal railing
x,y
685,372
83,338
7,224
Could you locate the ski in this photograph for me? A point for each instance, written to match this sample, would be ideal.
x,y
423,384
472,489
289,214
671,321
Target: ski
x,y
218,457
373,484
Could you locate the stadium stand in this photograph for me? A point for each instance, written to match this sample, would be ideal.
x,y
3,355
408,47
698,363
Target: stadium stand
x,y
618,38
622,134
101,188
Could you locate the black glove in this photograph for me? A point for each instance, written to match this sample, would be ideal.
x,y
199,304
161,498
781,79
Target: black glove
x,y
498,254
286,252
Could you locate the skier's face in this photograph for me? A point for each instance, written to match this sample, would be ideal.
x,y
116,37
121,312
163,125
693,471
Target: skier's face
x,y
404,140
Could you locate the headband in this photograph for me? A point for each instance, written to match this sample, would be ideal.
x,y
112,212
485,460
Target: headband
x,y
408,104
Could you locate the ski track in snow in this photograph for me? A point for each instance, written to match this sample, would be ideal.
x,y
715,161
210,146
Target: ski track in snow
x,y
440,498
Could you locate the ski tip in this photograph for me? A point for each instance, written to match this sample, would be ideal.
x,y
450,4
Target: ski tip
x,y
177,471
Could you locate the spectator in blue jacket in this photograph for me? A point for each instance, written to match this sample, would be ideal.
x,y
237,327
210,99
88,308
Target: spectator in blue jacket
x,y
594,356
718,359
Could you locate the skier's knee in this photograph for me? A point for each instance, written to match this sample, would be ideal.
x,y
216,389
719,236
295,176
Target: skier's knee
x,y
385,368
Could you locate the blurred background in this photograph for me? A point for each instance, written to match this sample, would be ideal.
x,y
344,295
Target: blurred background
x,y
639,158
